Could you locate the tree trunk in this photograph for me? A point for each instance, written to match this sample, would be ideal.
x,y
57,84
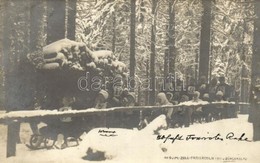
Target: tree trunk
x,y
37,11
256,47
114,33
16,77
1,55
71,23
37,25
171,38
7,27
132,46
147,77
7,33
205,39
55,20
244,74
166,60
17,88
153,53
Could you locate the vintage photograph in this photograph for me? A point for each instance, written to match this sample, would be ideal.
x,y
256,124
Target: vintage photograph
x,y
143,81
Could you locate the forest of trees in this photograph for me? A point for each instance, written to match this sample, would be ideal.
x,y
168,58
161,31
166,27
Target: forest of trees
x,y
190,38
176,36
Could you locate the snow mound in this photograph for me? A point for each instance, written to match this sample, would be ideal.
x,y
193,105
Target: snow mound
x,y
72,55
142,146
156,125
121,144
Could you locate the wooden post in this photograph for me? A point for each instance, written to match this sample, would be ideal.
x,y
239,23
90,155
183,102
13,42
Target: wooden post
x,y
12,135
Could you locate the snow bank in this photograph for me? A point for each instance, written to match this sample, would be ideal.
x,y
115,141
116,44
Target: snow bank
x,y
142,146
124,143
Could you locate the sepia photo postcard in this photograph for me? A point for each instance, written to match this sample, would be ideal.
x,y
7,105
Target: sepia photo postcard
x,y
143,81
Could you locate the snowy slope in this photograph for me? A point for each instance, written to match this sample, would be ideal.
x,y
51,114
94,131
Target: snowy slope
x,y
141,146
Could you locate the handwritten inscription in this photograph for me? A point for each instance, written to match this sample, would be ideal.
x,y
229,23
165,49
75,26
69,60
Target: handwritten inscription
x,y
107,133
193,137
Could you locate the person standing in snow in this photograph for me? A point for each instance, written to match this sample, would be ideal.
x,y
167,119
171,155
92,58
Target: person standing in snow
x,y
254,115
182,115
101,100
197,110
234,97
224,88
212,89
206,109
115,90
101,103
68,126
191,88
219,109
188,112
131,118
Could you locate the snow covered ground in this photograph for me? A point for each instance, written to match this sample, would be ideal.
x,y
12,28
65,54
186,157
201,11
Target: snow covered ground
x,y
122,145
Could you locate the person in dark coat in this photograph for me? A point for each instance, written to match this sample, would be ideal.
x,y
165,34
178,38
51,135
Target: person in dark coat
x,y
101,100
115,99
212,89
224,88
184,113
254,115
207,109
191,88
234,97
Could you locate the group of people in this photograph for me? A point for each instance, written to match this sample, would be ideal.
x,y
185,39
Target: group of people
x,y
216,91
115,95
